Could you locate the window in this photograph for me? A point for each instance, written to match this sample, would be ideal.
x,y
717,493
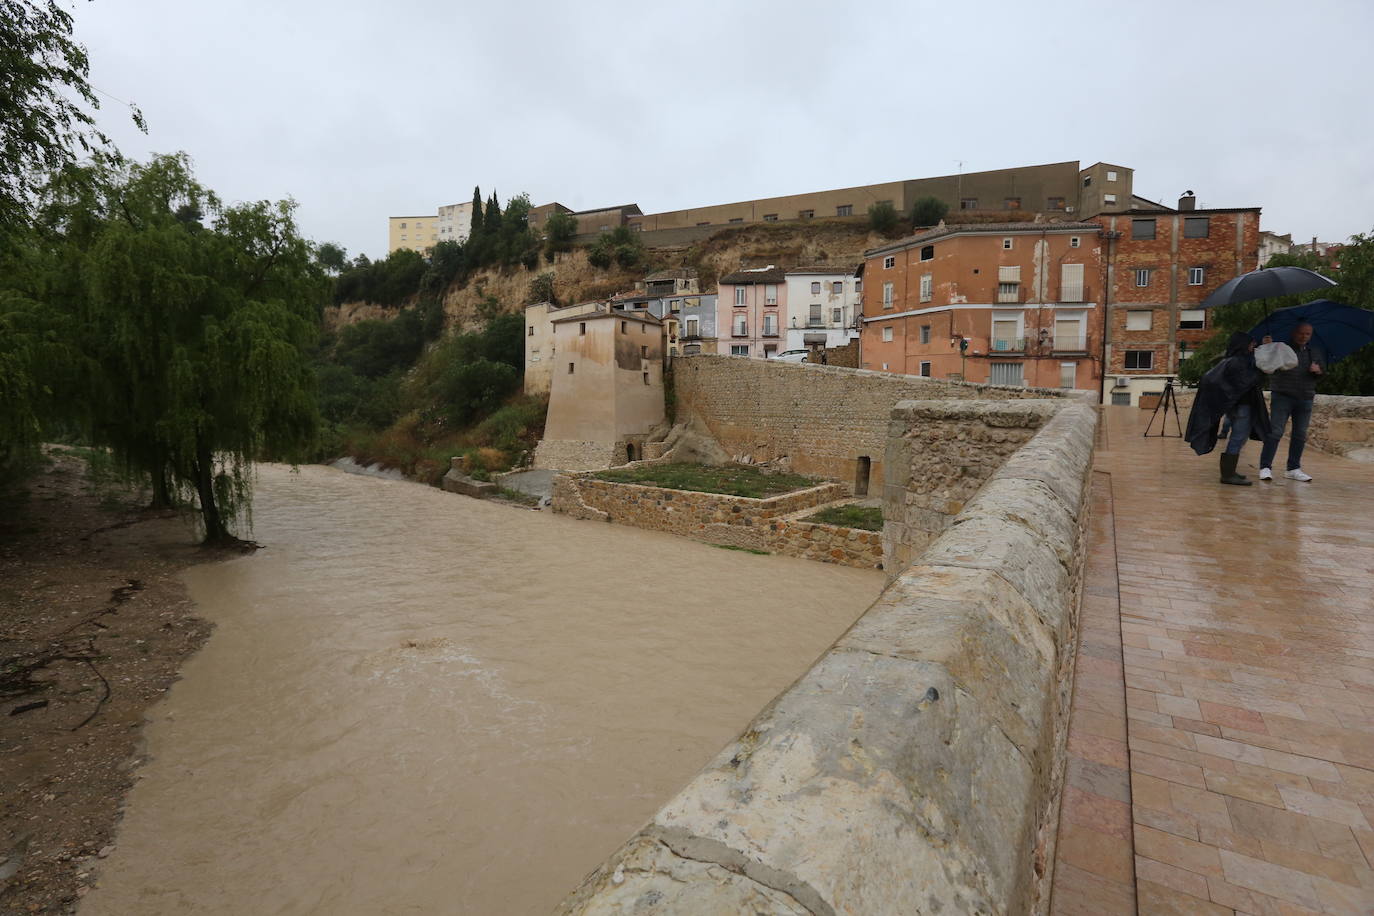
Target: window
x,y
887,295
928,253
1071,283
968,203
816,318
887,334
844,210
815,289
1007,374
1109,199
403,225
889,262
1068,373
1140,359
837,288
1196,227
1192,319
643,351
739,295
1142,228
1087,181
770,217
837,315
736,350
675,305
646,377
582,327
770,294
1111,176
806,214
741,326
738,219
1006,244
571,366
624,327
1054,203
1196,275
694,327
1073,241
1139,320
925,333
1008,292
858,286
1011,203
531,331
1142,277
770,351
925,370
1007,330
927,287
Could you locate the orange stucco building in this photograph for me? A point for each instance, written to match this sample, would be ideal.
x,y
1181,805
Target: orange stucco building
x,y
1009,303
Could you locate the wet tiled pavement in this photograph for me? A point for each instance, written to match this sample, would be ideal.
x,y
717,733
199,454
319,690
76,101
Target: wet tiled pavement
x,y
1222,735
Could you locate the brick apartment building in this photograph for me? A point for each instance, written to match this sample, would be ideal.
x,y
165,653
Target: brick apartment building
x,y
1160,264
1025,297
1111,302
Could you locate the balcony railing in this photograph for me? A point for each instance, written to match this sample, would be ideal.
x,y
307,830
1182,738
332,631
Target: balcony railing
x,y
1007,345
1070,343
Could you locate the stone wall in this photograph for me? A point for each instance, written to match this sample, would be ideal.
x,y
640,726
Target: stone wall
x,y
1343,426
822,419
737,521
796,537
915,767
576,455
938,454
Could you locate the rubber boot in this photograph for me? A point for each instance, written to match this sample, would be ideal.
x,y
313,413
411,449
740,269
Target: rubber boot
x,y
1228,471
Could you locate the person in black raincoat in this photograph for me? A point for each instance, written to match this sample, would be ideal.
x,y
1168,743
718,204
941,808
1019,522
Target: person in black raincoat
x,y
1231,389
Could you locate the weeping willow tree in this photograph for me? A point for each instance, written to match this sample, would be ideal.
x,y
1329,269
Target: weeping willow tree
x,y
191,322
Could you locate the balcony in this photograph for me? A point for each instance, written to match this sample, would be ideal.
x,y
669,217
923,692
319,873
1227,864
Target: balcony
x,y
769,334
1070,343
1007,346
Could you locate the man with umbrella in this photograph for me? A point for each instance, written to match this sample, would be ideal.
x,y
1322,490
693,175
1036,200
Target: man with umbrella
x,y
1291,394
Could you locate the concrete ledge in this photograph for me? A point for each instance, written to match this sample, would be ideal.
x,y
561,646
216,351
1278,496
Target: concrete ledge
x,y
915,768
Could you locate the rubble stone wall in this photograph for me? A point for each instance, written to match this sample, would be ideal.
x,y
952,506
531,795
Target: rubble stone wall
x,y
821,419
916,767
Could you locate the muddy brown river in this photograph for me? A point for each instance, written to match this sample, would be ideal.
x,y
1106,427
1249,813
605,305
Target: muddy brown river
x,y
419,703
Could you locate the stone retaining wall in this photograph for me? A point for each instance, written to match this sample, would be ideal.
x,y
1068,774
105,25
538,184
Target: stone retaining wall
x,y
575,455
915,768
822,419
938,454
796,537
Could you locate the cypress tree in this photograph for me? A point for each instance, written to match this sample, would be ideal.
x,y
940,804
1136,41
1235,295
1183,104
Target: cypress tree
x,y
476,229
491,222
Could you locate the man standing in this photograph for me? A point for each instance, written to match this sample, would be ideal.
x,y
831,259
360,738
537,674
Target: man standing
x,y
1292,393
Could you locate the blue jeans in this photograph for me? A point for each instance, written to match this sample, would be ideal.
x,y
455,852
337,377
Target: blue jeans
x,y
1284,407
1240,428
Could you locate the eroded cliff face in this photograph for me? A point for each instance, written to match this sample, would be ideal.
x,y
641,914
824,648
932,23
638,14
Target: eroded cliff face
x,y
576,280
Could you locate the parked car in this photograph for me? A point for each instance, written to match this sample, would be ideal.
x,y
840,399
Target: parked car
x,y
794,356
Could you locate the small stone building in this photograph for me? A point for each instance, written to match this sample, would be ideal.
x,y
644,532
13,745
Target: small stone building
x,y
606,390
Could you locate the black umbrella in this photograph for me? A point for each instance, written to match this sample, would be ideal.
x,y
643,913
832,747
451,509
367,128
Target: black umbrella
x,y
1266,284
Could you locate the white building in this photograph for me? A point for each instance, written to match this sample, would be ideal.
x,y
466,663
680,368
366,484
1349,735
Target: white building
x,y
822,306
455,222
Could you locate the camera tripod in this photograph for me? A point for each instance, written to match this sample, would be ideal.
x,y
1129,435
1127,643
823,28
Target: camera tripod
x,y
1167,402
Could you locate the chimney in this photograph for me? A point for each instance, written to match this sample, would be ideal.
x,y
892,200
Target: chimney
x,y
1187,201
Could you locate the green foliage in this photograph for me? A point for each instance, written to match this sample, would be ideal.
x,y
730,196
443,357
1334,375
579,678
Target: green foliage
x,y
883,218
476,224
389,282
44,95
331,257
869,518
1353,375
541,289
377,347
447,260
927,211
191,340
730,479
620,246
559,230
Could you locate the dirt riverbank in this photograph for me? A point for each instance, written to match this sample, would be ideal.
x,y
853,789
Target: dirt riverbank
x,y
94,625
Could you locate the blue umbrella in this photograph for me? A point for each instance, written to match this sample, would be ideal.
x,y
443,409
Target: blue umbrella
x,y
1266,284
1339,329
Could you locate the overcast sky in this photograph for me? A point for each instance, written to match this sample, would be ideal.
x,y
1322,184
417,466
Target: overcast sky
x,y
361,111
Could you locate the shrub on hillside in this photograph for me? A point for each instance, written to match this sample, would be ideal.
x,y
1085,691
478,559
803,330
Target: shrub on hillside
x,y
927,211
883,218
376,347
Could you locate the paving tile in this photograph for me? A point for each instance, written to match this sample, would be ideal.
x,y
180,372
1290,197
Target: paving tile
x,y
1177,851
1331,809
1158,900
1268,878
1081,893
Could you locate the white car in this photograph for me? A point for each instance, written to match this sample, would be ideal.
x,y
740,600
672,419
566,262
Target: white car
x,y
794,356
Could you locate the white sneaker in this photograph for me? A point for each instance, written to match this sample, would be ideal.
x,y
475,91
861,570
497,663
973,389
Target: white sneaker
x,y
1266,474
1297,474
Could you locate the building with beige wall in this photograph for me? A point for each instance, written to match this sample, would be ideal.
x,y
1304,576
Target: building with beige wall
x,y
418,233
539,343
455,222
606,391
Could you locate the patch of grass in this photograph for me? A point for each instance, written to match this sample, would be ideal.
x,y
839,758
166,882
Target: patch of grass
x,y
753,550
730,479
869,518
516,496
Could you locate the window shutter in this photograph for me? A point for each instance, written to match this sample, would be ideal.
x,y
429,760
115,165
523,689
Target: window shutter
x,y
1071,283
1009,274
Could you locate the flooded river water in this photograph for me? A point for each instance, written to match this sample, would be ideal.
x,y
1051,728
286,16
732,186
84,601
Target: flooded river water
x,y
416,702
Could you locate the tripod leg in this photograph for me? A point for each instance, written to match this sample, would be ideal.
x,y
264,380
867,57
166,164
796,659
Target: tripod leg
x,y
1178,423
1162,401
